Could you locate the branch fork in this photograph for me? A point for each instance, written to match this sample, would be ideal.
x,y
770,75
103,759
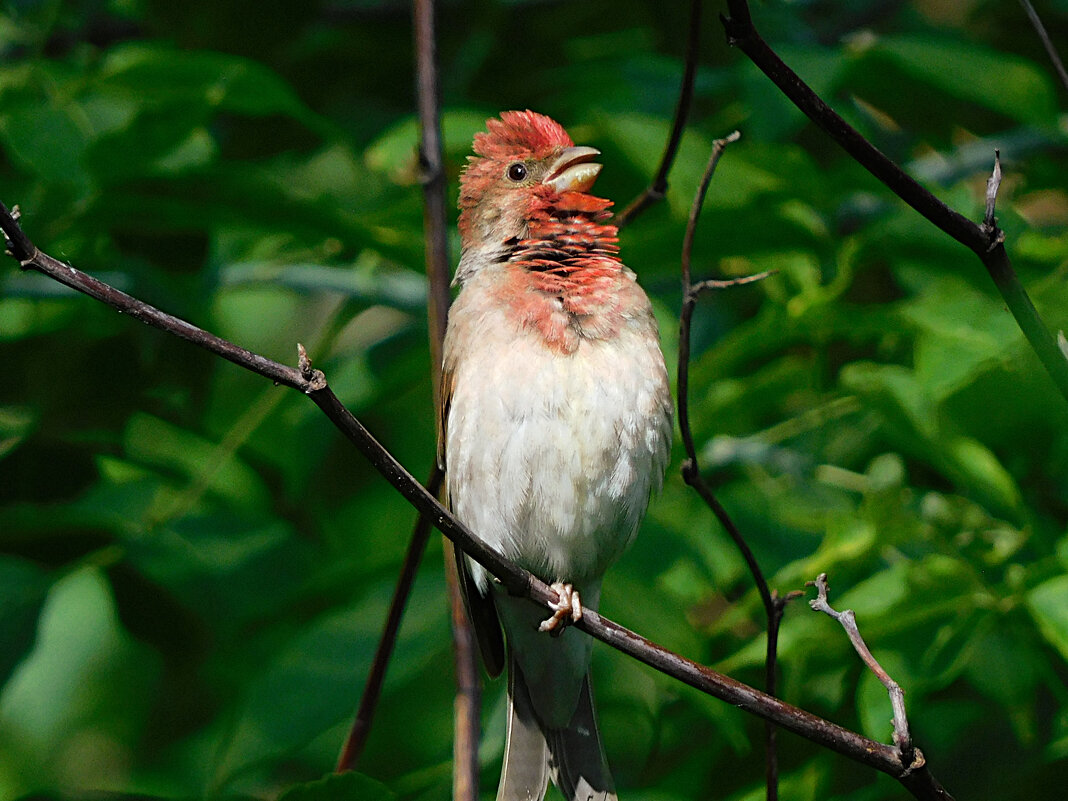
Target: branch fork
x,y
910,756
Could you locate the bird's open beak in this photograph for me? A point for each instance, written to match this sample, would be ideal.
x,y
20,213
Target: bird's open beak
x,y
574,170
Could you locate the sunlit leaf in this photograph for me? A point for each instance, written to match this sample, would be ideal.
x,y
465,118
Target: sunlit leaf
x,y
1048,603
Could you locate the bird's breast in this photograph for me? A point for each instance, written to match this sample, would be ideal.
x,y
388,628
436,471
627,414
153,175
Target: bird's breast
x,y
552,451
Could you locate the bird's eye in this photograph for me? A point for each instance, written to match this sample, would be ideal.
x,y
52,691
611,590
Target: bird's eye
x,y
517,171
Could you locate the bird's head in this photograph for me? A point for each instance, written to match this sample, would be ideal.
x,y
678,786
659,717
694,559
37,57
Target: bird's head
x,y
524,165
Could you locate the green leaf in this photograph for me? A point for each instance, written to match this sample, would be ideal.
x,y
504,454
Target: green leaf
x,y
214,467
996,80
169,77
23,587
984,473
739,181
16,424
395,152
47,140
350,786
84,678
311,685
374,283
894,389
1048,604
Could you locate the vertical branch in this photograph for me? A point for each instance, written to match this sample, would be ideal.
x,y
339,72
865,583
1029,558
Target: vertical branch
x,y
468,697
658,188
433,179
468,700
773,604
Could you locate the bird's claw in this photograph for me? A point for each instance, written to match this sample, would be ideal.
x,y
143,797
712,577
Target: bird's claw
x,y
566,609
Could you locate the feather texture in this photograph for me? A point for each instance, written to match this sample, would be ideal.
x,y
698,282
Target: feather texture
x,y
555,423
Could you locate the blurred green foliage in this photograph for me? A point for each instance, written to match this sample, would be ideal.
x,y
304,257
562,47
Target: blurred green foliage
x,y
194,566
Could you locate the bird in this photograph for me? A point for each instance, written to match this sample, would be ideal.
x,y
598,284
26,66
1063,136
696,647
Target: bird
x,y
555,422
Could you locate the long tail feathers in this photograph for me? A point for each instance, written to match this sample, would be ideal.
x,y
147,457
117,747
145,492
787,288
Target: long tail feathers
x,y
578,765
525,772
572,757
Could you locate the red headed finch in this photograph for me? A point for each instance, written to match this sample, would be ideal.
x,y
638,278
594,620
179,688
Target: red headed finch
x,y
556,426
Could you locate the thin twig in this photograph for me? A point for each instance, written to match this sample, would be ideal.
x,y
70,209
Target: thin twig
x,y
361,725
902,738
774,606
988,246
1047,43
657,190
915,776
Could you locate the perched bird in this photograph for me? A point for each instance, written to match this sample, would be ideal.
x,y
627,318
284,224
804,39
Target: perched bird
x,y
555,428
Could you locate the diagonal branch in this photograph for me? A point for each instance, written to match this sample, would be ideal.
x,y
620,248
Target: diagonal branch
x,y
376,676
1047,43
657,190
988,245
914,777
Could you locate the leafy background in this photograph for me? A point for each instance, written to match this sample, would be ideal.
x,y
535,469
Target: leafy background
x,y
194,566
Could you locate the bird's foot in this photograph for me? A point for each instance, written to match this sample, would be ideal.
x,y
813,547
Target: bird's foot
x,y
567,609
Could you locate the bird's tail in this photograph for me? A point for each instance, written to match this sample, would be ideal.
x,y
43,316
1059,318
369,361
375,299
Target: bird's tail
x,y
572,757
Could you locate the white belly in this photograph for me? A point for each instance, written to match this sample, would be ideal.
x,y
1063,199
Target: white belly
x,y
551,457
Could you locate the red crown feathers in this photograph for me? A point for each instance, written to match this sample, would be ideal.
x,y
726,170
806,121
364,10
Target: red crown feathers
x,y
518,131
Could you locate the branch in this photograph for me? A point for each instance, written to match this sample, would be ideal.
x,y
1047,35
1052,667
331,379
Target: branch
x,y
987,244
515,579
468,705
468,697
774,606
1047,43
433,180
372,688
902,738
657,190
690,292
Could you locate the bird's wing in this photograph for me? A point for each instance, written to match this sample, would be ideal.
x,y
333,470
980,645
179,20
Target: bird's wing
x,y
481,610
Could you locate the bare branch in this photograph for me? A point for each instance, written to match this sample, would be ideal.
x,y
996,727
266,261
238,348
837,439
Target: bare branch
x,y
1047,43
467,708
902,738
431,162
915,776
989,248
690,471
468,705
657,190
774,606
372,690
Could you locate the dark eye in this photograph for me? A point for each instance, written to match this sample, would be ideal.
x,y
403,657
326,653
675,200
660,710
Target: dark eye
x,y
517,171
